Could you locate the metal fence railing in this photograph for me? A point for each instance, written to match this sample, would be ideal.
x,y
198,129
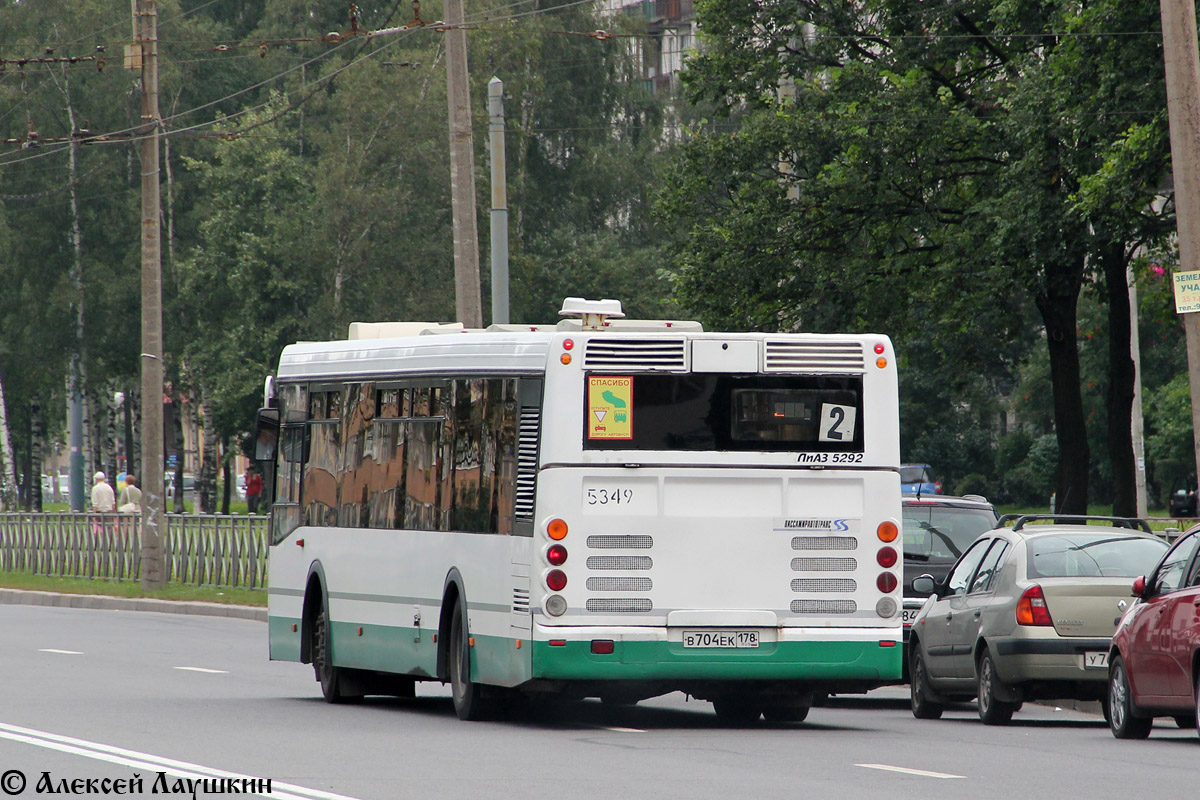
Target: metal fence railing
x,y
200,549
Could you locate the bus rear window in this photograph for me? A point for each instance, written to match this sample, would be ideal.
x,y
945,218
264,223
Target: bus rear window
x,y
723,412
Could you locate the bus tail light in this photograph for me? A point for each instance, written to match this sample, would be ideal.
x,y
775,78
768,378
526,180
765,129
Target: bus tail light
x,y
556,579
556,529
556,606
887,531
556,554
886,557
1031,608
887,582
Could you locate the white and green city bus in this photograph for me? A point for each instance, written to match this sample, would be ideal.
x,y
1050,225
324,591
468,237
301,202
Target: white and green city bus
x,y
599,508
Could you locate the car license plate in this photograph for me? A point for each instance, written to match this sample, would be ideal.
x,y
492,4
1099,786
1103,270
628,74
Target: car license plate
x,y
910,614
1097,660
730,638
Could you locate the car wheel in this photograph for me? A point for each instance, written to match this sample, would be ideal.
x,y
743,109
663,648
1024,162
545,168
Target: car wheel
x,y
1197,696
922,706
1185,721
1122,714
992,710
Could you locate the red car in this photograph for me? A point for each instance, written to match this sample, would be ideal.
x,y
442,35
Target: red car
x,y
1154,663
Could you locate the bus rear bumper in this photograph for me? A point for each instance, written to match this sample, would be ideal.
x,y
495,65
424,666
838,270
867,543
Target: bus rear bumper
x,y
807,654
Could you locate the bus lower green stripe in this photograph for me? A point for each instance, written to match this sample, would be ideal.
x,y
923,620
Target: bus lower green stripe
x,y
657,660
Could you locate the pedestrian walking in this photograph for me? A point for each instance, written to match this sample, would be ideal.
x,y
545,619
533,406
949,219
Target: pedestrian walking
x,y
131,496
254,487
104,501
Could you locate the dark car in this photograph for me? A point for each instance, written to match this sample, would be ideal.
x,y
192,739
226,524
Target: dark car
x,y
1152,665
917,479
937,530
1182,502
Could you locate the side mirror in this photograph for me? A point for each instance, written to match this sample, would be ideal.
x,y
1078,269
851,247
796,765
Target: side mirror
x,y
266,434
1139,586
924,584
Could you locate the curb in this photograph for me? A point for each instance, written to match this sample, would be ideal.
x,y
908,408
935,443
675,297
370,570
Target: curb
x,y
107,602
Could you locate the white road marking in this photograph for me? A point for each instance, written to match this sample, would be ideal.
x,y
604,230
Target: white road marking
x,y
623,730
62,652
153,763
202,669
907,771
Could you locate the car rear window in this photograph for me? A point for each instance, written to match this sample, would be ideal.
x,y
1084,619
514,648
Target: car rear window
x,y
1093,555
942,533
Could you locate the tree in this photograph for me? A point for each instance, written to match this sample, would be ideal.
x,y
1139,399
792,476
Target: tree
x,y
916,172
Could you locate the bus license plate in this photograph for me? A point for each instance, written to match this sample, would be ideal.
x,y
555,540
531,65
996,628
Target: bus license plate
x,y
720,638
1098,660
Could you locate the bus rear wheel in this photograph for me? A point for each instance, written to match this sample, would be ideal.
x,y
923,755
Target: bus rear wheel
x,y
329,676
468,697
737,710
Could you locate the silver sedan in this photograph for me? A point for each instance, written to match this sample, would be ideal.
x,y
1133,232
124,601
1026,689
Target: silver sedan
x,y
1027,613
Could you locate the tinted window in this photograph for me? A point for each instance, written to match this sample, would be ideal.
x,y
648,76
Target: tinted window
x,y
725,412
961,576
942,533
914,475
1083,555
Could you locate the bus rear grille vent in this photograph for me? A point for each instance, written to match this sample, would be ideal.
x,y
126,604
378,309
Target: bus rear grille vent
x,y
652,354
800,356
527,461
824,585
824,564
620,562
621,542
615,584
520,601
824,543
619,604
824,606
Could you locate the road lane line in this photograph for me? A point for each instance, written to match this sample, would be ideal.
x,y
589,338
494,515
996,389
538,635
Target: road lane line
x,y
62,652
202,669
907,771
153,763
622,730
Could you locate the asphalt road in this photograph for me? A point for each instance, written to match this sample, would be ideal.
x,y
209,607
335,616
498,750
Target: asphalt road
x,y
94,694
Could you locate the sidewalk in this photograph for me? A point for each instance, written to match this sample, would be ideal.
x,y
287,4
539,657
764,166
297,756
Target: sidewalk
x,y
28,598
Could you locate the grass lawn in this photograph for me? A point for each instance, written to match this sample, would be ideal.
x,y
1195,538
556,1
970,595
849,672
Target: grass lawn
x,y
172,591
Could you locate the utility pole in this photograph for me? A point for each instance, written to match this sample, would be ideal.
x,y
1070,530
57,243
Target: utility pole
x,y
467,296
1135,425
152,350
499,202
1182,60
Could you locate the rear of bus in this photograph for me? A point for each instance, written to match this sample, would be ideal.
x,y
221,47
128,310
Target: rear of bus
x,y
718,514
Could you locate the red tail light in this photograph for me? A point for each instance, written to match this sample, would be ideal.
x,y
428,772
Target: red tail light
x,y
556,579
1031,608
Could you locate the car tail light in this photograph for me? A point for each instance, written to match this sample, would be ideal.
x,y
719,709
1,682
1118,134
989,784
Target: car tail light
x,y
1031,608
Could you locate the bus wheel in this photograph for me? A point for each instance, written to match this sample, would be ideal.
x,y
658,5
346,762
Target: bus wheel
x,y
796,712
468,700
737,710
327,674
